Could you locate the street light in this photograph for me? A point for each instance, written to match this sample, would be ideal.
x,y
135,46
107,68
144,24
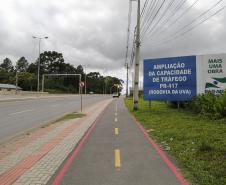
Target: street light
x,y
39,58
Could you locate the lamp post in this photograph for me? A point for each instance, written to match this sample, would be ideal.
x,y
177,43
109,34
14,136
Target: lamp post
x,y
39,58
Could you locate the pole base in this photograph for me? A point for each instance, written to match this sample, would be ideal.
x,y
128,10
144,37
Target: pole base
x,y
135,106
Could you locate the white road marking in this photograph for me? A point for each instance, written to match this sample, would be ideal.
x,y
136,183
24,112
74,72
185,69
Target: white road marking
x,y
29,110
116,119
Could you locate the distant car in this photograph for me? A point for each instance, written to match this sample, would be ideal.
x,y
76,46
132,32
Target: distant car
x,y
91,92
115,95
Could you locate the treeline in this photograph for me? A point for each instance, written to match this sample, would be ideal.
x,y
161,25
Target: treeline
x,y
52,62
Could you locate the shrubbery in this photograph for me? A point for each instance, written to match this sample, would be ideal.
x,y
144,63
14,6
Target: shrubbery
x,y
209,105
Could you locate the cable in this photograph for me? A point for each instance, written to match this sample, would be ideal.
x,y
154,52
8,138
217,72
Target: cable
x,y
192,28
128,30
180,3
149,14
144,8
173,13
144,32
194,20
181,15
159,20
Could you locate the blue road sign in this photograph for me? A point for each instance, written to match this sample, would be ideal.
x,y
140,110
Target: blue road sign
x,y
172,79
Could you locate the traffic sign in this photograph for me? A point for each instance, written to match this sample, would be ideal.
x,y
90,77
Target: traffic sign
x,y
81,84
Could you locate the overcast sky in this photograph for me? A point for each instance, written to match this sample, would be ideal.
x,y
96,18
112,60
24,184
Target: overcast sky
x,y
93,32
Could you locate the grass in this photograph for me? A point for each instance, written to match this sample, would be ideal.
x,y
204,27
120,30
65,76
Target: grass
x,y
197,145
70,116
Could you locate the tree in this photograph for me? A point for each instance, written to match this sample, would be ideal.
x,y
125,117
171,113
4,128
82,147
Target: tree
x,y
111,84
80,70
22,65
32,68
51,62
7,65
4,76
26,81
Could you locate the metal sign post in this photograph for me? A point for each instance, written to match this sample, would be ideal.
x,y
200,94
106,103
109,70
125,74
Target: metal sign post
x,y
81,85
81,99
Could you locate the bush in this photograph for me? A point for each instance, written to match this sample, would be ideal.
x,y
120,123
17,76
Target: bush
x,y
209,105
174,104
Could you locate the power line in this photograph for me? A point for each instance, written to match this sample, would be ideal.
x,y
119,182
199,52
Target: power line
x,y
161,17
144,8
157,12
196,19
149,13
191,28
170,16
180,5
128,31
186,10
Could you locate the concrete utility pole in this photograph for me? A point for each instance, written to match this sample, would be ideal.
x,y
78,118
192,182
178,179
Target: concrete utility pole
x,y
127,78
137,61
39,58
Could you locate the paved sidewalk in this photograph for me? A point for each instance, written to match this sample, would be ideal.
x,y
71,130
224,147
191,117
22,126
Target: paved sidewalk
x,y
34,158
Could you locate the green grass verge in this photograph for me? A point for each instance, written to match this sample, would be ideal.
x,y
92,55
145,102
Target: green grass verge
x,y
70,116
197,145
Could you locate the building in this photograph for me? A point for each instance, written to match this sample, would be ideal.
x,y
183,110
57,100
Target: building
x,y
8,87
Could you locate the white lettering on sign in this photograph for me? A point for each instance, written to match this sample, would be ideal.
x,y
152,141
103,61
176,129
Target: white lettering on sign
x,y
169,66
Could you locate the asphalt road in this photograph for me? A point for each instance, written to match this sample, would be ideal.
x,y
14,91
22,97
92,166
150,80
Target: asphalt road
x,y
116,152
17,116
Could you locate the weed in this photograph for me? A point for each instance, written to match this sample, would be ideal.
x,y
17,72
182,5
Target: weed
x,y
198,143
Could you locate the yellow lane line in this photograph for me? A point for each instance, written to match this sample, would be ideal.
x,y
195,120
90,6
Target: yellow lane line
x,y
116,131
117,158
116,107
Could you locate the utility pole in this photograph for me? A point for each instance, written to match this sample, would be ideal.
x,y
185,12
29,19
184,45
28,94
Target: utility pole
x,y
16,81
127,78
137,61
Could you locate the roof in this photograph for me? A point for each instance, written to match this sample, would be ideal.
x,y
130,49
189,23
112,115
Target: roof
x,y
9,86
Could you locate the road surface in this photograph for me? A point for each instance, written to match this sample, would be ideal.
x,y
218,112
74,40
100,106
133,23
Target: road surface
x,y
17,116
116,152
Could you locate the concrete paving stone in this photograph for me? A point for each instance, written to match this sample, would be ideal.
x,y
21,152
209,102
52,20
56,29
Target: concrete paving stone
x,y
59,153
17,156
19,183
